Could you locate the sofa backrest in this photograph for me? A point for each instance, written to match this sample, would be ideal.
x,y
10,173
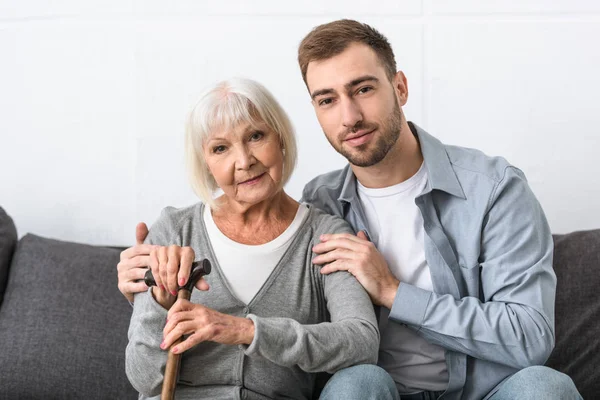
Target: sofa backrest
x,y
577,312
8,241
63,323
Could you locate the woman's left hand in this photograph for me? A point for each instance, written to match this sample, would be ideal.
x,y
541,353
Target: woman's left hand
x,y
204,324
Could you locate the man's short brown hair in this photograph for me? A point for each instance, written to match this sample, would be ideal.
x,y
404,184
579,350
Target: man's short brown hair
x,y
329,40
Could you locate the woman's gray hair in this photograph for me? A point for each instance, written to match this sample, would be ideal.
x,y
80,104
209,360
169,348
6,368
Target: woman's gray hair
x,y
223,107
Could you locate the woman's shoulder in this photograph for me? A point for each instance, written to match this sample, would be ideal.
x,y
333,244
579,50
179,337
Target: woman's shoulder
x,y
173,218
322,222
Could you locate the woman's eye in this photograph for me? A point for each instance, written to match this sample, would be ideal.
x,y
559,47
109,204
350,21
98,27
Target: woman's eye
x,y
257,136
219,149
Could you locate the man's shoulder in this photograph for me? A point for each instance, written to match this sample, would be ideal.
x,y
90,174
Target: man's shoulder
x,y
330,182
324,191
325,222
468,162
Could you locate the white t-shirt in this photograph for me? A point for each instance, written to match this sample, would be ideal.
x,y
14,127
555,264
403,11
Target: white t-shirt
x,y
247,267
396,225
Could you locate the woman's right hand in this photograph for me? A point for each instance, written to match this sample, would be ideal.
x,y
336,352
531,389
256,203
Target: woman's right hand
x,y
171,267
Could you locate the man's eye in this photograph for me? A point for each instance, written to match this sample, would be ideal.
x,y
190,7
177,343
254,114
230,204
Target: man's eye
x,y
325,102
365,89
257,136
219,149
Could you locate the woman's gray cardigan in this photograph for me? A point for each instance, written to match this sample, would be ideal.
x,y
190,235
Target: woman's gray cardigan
x,y
304,321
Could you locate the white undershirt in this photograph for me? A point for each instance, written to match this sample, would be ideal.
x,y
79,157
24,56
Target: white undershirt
x,y
396,225
247,267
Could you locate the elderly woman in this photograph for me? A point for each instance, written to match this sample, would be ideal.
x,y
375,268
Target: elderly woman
x,y
270,318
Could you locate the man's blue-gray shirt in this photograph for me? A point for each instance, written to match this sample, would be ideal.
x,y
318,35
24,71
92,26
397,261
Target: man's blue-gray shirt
x,y
489,249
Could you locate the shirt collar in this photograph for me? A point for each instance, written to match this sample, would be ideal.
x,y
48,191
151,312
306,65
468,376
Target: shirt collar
x,y
440,174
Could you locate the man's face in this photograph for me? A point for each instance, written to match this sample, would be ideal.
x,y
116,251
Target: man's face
x,y
356,104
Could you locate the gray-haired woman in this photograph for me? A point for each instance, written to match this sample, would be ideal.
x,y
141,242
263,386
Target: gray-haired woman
x,y
270,318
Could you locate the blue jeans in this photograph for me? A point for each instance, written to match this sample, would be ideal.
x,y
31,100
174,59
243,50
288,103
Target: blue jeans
x,y
537,383
364,382
372,382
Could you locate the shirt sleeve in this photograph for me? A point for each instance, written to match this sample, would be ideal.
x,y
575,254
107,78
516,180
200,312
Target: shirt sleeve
x,y
513,322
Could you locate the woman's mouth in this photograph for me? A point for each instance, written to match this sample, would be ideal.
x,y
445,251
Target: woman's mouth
x,y
252,180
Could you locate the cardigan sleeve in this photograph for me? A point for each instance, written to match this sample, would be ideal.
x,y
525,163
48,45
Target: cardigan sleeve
x,y
351,337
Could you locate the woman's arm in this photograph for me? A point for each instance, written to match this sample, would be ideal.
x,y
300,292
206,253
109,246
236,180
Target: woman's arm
x,y
144,359
350,338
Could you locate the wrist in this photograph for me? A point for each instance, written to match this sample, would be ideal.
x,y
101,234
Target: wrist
x,y
389,294
162,297
247,331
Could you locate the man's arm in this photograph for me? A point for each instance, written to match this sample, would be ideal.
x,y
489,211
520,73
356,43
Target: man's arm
x,y
514,325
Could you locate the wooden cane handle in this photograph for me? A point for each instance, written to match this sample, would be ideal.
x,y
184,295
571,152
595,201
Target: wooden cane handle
x,y
173,360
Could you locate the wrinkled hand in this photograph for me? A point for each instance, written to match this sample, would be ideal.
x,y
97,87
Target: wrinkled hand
x,y
360,257
133,264
171,267
204,324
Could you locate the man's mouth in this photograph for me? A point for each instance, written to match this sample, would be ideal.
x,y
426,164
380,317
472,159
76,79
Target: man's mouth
x,y
359,138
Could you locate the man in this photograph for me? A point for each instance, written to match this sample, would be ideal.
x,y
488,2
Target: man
x,y
452,245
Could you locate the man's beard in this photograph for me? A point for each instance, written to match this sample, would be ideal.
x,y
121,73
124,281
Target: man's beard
x,y
389,134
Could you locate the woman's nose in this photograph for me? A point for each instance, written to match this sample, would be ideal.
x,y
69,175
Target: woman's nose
x,y
245,158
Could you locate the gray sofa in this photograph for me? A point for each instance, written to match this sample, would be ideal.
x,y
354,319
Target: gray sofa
x,y
63,323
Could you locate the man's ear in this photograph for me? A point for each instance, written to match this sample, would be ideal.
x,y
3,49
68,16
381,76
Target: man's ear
x,y
401,87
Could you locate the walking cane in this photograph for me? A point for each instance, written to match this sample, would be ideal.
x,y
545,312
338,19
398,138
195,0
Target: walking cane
x,y
199,269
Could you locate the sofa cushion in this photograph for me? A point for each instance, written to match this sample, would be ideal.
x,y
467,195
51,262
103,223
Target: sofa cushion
x,y
8,241
577,315
63,323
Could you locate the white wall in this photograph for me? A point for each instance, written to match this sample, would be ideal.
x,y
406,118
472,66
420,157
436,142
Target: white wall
x,y
93,95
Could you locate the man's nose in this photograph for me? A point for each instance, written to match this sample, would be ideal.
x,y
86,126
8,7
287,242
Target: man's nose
x,y
351,113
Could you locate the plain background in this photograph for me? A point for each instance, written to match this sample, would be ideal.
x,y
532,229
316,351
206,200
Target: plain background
x,y
93,96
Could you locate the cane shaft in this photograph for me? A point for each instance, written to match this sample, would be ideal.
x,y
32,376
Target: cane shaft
x,y
173,361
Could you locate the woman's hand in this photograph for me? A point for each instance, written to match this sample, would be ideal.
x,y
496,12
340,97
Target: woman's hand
x,y
171,267
204,324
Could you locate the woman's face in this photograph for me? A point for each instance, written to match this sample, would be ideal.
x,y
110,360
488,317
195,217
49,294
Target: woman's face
x,y
246,162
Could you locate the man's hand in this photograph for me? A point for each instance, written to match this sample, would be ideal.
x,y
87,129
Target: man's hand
x,y
203,324
360,257
134,263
